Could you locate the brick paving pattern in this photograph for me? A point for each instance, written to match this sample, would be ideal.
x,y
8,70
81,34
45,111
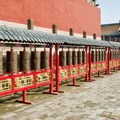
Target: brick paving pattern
x,y
98,100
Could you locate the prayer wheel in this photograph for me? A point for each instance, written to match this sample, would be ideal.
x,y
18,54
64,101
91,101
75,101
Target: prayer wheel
x,y
45,59
11,62
69,57
104,55
83,56
93,56
24,61
75,57
63,58
100,55
79,57
1,62
117,54
97,56
35,60
111,55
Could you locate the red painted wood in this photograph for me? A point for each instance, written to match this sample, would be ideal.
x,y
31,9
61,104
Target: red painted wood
x,y
77,14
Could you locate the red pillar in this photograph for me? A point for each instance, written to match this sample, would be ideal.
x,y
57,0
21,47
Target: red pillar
x,y
87,62
108,62
24,98
90,65
57,70
52,72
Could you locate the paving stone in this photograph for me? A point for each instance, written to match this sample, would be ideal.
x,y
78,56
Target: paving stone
x,y
8,115
101,97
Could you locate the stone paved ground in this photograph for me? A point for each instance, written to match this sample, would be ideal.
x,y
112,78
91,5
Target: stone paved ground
x,y
98,100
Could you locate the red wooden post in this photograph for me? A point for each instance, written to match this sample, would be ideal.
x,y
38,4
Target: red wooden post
x,y
87,63
108,58
13,83
90,65
108,61
119,61
57,70
52,73
54,30
24,98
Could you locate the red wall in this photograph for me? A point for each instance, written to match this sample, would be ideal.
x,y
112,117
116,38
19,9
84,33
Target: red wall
x,y
77,14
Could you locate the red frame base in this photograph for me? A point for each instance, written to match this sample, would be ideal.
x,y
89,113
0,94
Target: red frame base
x,y
51,93
60,91
26,102
73,85
87,80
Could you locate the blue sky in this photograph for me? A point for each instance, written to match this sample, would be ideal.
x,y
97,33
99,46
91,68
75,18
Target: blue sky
x,y
110,11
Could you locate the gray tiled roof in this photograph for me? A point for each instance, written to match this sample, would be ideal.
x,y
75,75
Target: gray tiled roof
x,y
115,44
12,34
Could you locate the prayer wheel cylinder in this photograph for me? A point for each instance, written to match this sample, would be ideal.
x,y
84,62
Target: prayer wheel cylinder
x,y
69,57
111,55
97,56
63,58
24,61
75,57
35,60
115,54
100,55
83,56
11,61
79,57
1,62
93,56
45,59
119,53
104,55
